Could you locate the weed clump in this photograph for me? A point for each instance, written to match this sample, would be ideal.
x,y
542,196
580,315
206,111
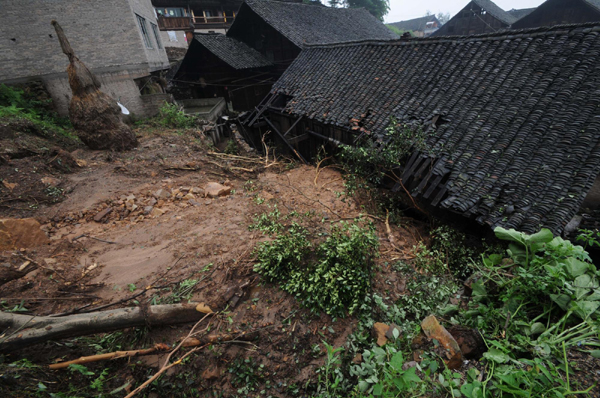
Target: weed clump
x,y
172,116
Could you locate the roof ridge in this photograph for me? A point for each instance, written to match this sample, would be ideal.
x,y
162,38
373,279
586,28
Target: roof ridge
x,y
503,34
495,10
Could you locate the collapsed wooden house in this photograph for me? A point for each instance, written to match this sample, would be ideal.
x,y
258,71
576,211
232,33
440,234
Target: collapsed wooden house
x,y
513,118
274,32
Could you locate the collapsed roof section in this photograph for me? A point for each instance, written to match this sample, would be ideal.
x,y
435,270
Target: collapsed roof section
x,y
513,118
304,24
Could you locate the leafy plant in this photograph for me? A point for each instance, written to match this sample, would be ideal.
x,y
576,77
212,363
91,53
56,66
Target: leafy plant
x,y
171,115
371,159
330,374
246,375
334,279
381,373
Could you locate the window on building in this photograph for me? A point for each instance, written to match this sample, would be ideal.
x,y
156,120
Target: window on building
x,y
156,35
144,30
172,35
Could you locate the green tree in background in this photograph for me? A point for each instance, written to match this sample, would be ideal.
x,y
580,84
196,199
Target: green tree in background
x,y
378,8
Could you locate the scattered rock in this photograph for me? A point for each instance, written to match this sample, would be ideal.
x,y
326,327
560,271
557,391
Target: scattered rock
x,y
469,340
390,332
21,233
189,196
211,373
214,189
152,202
161,194
98,217
197,191
156,212
148,209
380,329
194,203
433,330
8,185
50,181
408,365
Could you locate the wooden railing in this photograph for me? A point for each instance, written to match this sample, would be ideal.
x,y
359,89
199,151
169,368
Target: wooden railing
x,y
174,23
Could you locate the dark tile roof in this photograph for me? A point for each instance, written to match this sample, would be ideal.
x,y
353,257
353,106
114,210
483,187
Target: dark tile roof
x,y
304,24
497,12
519,139
234,53
518,14
417,24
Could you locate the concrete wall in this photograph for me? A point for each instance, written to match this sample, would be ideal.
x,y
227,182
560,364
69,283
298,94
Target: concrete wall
x,y
156,57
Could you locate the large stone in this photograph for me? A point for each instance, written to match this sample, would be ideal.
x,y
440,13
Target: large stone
x,y
434,331
214,189
21,233
380,329
161,194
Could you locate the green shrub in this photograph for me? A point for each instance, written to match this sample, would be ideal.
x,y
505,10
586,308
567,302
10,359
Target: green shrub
x,y
172,116
333,276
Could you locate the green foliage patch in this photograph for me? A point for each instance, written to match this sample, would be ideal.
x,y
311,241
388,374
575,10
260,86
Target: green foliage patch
x,y
332,275
15,103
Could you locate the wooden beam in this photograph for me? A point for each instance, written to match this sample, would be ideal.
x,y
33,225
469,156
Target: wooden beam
x,y
285,140
293,125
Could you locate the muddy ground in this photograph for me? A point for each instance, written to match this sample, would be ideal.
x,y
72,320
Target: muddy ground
x,y
160,233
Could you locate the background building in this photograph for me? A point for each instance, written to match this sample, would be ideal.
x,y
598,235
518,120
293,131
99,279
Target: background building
x,y
118,40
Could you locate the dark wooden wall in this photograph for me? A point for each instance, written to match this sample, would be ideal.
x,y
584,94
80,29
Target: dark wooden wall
x,y
557,12
470,20
204,75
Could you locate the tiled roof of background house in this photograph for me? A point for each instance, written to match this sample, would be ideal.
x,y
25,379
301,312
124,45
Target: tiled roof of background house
x,y
491,7
304,24
517,114
235,53
417,24
518,14
594,3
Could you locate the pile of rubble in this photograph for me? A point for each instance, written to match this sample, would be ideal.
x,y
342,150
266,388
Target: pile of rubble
x,y
150,204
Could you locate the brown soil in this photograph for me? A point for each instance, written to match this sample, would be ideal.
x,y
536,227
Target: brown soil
x,y
198,238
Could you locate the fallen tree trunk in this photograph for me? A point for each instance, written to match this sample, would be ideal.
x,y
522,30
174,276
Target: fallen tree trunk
x,y
20,331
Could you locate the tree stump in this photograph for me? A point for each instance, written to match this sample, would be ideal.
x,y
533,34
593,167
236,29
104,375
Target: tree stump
x,y
95,116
